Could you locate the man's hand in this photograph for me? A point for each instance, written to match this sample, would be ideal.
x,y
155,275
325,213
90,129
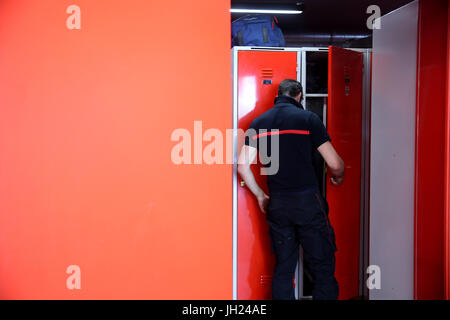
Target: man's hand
x,y
337,181
247,156
263,202
334,162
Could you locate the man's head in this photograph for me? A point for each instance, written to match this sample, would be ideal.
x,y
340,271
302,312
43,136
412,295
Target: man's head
x,y
291,88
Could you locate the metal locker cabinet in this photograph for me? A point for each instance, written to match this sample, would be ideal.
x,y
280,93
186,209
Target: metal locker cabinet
x,y
258,75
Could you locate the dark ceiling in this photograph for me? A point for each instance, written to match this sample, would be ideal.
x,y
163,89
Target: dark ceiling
x,y
336,18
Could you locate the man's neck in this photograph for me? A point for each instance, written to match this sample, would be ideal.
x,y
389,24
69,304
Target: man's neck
x,y
288,99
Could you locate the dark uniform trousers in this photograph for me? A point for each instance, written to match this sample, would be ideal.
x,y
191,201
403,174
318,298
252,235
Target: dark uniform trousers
x,y
302,218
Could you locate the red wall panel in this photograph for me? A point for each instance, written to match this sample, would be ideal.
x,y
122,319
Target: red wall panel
x,y
429,188
86,176
447,169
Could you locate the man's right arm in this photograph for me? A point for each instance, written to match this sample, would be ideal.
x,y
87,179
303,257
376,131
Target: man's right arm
x,y
321,141
333,161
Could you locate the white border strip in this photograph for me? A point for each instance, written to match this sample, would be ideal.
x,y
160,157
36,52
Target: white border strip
x,y
235,124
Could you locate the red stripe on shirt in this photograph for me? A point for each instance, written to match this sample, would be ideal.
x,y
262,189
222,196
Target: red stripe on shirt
x,y
303,132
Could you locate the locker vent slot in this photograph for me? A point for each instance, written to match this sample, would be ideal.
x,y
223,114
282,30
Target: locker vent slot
x,y
265,279
267,73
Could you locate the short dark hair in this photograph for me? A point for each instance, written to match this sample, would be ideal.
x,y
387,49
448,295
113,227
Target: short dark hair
x,y
289,87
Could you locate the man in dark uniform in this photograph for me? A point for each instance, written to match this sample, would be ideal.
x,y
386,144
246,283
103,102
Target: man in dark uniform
x,y
296,211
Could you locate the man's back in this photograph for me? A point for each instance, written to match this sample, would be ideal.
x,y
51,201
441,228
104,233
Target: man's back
x,y
295,210
300,133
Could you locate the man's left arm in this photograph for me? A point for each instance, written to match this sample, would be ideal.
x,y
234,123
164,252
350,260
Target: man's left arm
x,y
246,158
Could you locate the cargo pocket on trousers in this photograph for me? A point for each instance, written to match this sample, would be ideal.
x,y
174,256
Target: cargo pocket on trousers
x,y
276,240
329,231
281,243
332,237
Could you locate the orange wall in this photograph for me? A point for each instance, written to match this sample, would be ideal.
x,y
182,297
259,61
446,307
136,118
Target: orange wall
x,y
86,176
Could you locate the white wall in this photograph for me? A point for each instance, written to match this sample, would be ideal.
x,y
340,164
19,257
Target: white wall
x,y
393,151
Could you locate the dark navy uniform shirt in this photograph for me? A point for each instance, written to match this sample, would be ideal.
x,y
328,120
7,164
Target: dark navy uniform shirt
x,y
300,133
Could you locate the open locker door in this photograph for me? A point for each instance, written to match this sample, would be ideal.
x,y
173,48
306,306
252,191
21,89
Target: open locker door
x,y
345,68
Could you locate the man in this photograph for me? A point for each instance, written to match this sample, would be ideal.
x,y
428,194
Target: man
x,y
295,210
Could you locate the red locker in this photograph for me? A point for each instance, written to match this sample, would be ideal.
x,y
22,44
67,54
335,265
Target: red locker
x,y
345,69
257,77
259,74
